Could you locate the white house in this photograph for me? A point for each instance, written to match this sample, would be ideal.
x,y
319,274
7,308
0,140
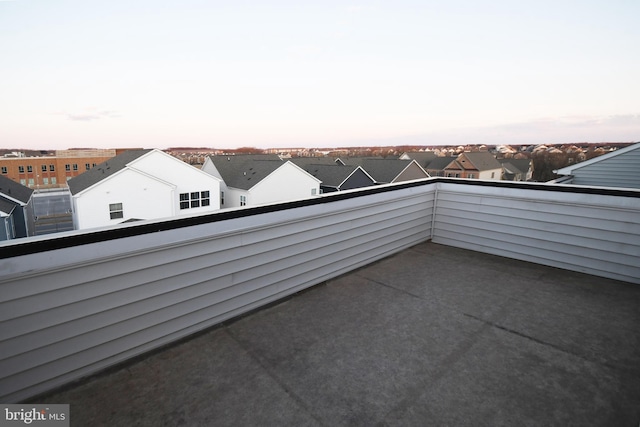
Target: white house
x,y
141,184
250,180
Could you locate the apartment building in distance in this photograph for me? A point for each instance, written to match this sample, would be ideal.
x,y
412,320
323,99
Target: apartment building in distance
x,y
52,171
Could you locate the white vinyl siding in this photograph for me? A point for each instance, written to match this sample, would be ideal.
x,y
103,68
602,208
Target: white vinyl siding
x,y
71,312
618,171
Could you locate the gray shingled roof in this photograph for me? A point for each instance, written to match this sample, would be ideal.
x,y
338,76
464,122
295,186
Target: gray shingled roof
x,y
7,206
521,165
245,171
510,169
304,161
381,170
103,170
482,160
422,157
331,175
439,163
15,190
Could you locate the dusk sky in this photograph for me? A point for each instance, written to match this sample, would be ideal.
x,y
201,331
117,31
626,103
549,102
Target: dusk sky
x,y
142,73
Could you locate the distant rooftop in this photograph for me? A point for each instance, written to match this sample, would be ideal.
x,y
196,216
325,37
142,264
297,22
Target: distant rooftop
x,y
14,191
103,170
433,335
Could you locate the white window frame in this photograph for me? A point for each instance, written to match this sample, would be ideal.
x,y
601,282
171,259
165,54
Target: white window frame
x,y
116,210
195,199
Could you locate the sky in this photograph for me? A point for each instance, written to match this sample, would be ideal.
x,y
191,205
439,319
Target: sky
x,y
266,74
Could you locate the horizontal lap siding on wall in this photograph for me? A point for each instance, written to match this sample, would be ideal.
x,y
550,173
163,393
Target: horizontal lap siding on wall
x,y
122,297
591,233
618,171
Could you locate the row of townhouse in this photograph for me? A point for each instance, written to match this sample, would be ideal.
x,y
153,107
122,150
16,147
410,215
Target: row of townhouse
x,y
249,180
473,165
150,184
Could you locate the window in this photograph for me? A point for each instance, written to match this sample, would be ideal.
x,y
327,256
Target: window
x,y
205,200
54,180
52,168
313,191
194,199
471,176
75,166
67,167
115,210
31,183
4,170
222,197
23,181
243,200
87,166
43,168
29,168
493,174
184,200
21,169
45,180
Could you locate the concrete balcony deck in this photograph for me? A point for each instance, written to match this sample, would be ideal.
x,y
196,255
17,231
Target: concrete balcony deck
x,y
434,335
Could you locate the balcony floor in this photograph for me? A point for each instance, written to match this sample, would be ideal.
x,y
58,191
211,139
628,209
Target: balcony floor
x,y
434,335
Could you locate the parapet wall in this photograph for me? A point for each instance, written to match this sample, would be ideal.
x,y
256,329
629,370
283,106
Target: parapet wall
x,y
75,303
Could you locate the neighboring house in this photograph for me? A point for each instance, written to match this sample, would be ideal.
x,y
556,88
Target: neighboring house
x,y
475,165
16,210
304,161
436,166
337,177
139,185
422,157
516,169
250,180
385,171
620,168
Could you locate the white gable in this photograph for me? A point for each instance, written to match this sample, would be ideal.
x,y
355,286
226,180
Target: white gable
x,y
288,182
141,196
155,185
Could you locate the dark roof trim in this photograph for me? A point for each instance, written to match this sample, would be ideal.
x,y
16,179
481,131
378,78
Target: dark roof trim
x,y
24,246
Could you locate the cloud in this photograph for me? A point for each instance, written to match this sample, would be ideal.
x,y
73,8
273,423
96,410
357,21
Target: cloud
x,y
545,130
90,114
83,117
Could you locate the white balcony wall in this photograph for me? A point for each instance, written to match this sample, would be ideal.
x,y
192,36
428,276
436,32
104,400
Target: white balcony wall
x,y
591,233
71,312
